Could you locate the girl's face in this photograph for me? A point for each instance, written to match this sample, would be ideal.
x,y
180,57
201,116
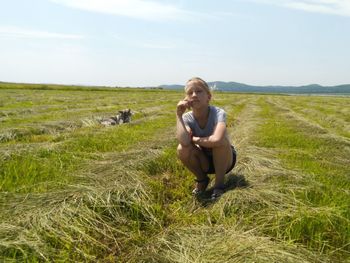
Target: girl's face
x,y
197,95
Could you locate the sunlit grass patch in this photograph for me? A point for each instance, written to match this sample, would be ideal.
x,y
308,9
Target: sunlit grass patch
x,y
334,117
325,225
27,172
86,224
220,244
117,138
33,171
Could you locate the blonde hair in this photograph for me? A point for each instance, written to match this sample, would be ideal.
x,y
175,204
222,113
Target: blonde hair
x,y
198,82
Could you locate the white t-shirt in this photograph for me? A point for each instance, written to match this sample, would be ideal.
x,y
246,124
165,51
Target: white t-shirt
x,y
216,115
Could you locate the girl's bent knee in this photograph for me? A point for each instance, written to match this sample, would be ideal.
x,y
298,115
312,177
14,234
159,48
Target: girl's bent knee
x,y
184,152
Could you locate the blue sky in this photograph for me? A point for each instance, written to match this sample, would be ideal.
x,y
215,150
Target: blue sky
x,y
148,43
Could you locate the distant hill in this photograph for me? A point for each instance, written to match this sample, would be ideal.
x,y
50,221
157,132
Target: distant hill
x,y
240,87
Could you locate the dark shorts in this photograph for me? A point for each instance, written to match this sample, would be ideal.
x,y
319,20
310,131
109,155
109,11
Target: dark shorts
x,y
211,169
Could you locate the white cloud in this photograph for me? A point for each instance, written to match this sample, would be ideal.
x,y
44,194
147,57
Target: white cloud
x,y
18,32
335,7
150,10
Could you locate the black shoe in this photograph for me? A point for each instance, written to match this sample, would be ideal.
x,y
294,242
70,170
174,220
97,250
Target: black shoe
x,y
217,192
204,181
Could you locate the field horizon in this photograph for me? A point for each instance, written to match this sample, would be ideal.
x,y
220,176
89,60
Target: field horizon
x,y
217,86
74,190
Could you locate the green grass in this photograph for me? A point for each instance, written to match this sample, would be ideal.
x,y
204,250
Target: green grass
x,y
334,117
28,169
325,222
72,190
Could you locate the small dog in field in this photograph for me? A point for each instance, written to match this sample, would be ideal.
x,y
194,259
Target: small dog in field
x,y
123,116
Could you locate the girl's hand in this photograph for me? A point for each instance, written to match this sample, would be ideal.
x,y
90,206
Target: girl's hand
x,y
195,140
182,106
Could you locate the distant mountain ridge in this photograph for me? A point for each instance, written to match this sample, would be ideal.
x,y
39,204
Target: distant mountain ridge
x,y
240,87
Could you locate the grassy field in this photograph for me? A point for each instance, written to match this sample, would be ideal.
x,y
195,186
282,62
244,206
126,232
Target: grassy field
x,y
73,190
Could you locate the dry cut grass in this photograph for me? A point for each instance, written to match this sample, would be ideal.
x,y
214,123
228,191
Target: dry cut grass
x,y
120,195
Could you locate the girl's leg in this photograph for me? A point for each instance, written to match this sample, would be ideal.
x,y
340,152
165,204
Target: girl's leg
x,y
222,158
195,160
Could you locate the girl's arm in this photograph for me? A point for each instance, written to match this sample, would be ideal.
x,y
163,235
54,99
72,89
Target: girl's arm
x,y
183,133
218,137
